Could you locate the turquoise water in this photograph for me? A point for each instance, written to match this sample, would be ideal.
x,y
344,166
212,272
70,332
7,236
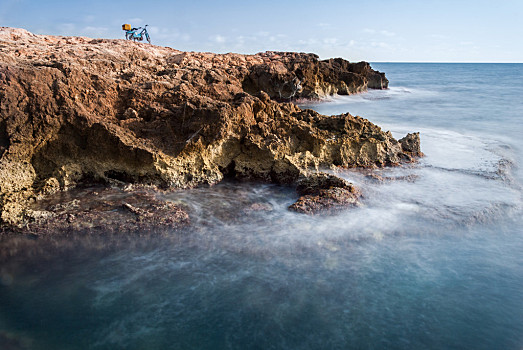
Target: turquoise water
x,y
434,263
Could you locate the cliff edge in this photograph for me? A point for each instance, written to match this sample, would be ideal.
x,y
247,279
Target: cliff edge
x,y
75,109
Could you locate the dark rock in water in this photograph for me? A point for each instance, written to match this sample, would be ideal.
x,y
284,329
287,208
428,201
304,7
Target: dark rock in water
x,y
325,200
323,192
315,182
381,179
75,110
107,211
258,207
411,144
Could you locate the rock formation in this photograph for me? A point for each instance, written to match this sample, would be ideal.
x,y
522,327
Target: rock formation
x,y
75,109
323,192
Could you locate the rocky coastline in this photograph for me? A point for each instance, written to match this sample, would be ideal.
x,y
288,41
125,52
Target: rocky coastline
x,y
75,110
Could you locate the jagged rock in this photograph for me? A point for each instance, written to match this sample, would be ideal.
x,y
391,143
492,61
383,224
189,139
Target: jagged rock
x,y
375,79
296,75
411,144
314,182
74,110
323,192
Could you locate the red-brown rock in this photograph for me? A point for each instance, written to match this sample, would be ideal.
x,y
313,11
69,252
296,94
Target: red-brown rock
x,y
76,109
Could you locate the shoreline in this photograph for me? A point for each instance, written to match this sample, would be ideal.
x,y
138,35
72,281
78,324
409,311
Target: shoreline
x,y
111,110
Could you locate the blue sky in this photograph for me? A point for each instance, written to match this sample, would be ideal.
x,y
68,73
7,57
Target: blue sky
x,y
374,30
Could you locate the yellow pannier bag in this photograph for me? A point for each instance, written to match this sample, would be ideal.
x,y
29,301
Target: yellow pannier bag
x,y
126,26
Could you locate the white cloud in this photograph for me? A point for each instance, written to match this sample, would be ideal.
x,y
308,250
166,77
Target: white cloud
x,y
89,18
167,34
219,39
153,30
380,44
94,31
330,41
66,28
382,32
387,33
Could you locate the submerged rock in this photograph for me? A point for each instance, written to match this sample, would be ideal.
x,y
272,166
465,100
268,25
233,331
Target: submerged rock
x,y
111,210
76,110
383,179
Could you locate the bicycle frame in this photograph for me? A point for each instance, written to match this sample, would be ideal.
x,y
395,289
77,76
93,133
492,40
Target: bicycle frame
x,y
137,34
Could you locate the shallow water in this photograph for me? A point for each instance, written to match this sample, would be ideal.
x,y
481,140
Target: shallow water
x,y
434,262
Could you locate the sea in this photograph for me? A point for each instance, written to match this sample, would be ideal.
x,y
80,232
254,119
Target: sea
x,y
432,259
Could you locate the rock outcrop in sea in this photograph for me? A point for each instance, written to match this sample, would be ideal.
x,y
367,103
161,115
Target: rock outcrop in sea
x,y
79,110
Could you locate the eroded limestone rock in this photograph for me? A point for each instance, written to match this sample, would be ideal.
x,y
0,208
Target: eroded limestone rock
x,y
75,109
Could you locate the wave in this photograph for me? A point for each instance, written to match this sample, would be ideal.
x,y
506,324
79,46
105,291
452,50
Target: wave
x,y
462,180
393,92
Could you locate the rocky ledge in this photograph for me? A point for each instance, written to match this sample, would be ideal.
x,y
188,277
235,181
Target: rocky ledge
x,y
79,110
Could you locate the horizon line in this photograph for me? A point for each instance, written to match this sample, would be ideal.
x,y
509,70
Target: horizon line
x,y
446,62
